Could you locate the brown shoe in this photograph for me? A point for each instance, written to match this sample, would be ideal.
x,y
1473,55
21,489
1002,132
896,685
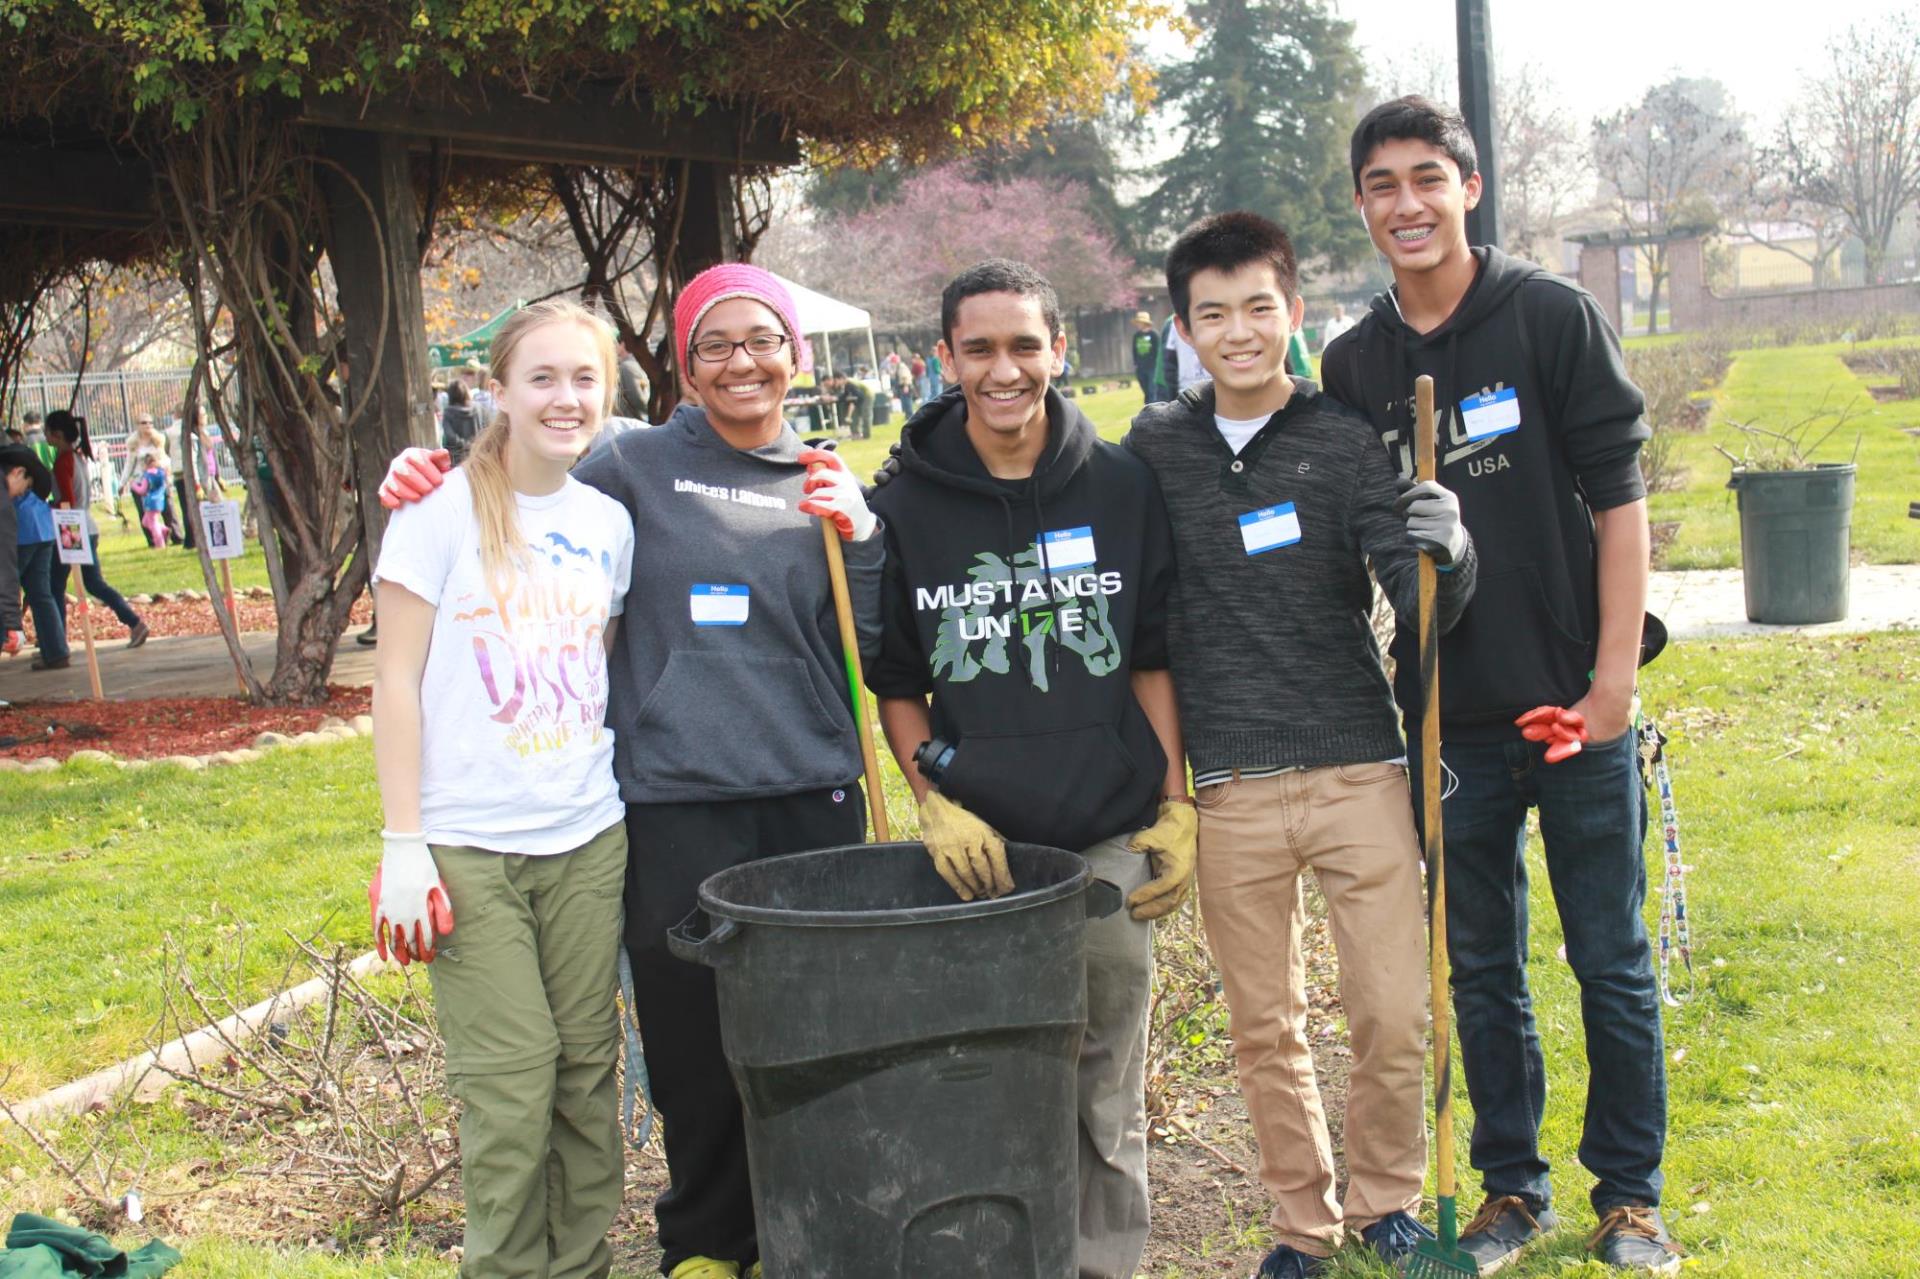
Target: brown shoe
x,y
139,634
45,663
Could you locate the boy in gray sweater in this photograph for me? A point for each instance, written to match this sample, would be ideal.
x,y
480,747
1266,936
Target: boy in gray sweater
x,y
1280,499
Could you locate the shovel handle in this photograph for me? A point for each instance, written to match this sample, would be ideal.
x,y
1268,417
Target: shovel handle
x,y
1425,468
850,648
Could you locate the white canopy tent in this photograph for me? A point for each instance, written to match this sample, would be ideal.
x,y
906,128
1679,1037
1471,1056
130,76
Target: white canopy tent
x,y
821,316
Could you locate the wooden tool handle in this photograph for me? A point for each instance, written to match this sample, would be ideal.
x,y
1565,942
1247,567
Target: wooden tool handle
x,y
856,682
1430,771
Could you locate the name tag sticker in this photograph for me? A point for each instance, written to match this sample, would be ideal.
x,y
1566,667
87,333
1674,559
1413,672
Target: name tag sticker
x,y
1069,548
718,604
1491,413
1269,528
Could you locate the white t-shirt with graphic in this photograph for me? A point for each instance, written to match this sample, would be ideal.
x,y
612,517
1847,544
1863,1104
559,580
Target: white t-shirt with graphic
x,y
515,751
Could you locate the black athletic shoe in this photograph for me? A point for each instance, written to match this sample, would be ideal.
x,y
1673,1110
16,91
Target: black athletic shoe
x,y
1395,1236
1504,1226
1632,1237
1286,1262
369,637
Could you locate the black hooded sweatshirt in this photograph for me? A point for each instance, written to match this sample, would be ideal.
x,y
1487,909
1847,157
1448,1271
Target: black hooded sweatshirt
x,y
1032,684
1550,432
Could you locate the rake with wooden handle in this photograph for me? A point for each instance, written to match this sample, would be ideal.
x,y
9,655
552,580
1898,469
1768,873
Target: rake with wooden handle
x,y
850,650
1442,1257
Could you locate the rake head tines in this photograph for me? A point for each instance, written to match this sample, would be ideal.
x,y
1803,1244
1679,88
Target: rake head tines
x,y
1434,1260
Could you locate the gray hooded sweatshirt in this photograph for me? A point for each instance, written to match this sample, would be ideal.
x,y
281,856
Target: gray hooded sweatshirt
x,y
728,680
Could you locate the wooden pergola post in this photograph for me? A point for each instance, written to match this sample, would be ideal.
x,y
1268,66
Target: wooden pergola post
x,y
375,255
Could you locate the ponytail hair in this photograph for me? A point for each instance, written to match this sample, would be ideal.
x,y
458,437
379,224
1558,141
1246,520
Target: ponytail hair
x,y
72,428
502,552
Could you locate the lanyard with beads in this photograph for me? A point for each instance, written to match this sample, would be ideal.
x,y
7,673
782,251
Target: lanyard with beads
x,y
1675,934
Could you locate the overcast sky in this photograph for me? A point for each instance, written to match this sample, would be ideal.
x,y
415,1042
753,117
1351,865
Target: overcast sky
x,y
1603,56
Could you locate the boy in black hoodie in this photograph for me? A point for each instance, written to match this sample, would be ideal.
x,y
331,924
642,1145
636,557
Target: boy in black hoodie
x,y
1280,500
1540,432
1028,566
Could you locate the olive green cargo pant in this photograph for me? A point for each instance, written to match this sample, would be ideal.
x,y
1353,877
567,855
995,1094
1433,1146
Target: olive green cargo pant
x,y
524,987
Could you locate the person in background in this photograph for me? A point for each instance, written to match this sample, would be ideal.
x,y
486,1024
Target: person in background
x,y
30,484
1180,365
917,365
179,528
146,437
459,424
73,484
11,636
149,486
856,406
475,376
1146,356
1334,327
37,438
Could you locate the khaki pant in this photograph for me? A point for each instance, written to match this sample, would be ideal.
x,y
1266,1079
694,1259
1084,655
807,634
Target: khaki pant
x,y
1112,1074
524,988
1353,825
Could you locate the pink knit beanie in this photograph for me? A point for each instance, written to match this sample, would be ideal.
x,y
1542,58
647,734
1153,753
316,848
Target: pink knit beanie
x,y
735,280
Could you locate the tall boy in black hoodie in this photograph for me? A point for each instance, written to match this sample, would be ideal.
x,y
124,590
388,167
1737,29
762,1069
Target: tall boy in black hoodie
x,y
1028,570
1540,433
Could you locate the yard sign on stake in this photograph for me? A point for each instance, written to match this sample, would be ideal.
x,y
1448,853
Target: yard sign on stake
x,y
225,540
71,544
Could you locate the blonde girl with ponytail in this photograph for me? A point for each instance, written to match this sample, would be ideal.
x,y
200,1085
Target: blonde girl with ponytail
x,y
505,848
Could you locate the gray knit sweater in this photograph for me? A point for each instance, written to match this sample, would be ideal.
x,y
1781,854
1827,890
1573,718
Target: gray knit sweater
x,y
1272,655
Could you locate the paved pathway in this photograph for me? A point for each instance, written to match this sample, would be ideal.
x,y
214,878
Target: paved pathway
x,y
1704,604
188,666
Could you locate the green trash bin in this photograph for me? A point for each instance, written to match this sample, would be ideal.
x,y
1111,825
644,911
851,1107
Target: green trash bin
x,y
1794,528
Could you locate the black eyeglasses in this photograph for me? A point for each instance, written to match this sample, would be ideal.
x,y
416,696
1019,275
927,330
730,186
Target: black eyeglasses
x,y
759,346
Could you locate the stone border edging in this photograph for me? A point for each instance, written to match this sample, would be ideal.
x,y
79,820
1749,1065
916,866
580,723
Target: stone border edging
x,y
139,1073
330,729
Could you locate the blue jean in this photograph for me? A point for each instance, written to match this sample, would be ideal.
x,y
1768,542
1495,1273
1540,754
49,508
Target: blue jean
x,y
1593,822
95,584
36,579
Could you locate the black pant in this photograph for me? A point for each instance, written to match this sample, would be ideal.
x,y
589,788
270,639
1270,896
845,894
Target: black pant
x,y
707,1210
179,525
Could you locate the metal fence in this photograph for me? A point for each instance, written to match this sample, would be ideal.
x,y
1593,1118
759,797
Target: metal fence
x,y
112,403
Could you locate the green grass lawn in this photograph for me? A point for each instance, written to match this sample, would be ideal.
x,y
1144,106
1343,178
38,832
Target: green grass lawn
x,y
100,865
134,568
1795,1119
1773,388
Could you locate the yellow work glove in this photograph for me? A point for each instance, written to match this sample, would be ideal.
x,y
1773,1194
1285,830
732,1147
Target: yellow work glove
x,y
967,852
1171,842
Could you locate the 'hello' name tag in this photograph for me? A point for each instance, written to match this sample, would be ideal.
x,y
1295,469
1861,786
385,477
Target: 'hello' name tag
x,y
1068,548
718,604
1491,413
1269,528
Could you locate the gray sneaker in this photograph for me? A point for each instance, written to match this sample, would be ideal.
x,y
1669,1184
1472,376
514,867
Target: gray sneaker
x,y
1504,1226
1632,1237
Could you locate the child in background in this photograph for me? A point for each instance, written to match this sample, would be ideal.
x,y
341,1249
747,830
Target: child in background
x,y
73,478
150,486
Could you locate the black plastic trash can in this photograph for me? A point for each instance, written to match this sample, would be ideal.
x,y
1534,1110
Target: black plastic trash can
x,y
907,1061
1794,541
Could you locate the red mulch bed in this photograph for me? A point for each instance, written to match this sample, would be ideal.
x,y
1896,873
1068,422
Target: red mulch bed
x,y
184,617
154,727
